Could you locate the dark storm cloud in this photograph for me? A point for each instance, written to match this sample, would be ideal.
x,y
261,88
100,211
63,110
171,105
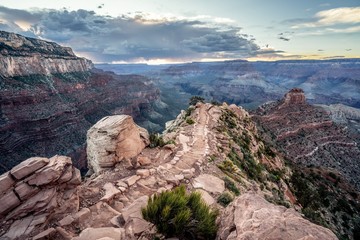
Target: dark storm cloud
x,y
127,38
229,41
16,14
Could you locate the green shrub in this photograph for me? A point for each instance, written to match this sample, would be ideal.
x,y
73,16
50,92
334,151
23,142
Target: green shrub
x,y
225,198
156,140
195,99
190,121
229,184
215,103
227,166
178,214
189,111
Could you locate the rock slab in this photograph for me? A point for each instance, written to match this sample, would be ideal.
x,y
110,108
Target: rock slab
x,y
252,217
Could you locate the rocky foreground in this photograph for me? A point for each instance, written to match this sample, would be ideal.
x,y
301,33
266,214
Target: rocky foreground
x,y
210,149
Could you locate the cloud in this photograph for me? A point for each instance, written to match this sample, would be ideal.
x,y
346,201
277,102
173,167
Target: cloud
x,y
284,38
133,36
330,17
339,15
334,57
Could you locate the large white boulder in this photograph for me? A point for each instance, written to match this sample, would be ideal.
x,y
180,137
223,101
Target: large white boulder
x,y
113,139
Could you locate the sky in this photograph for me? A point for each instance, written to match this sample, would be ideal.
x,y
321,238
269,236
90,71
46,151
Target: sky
x,y
174,31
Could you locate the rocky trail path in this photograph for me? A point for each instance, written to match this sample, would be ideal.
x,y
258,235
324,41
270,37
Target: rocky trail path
x,y
198,148
125,197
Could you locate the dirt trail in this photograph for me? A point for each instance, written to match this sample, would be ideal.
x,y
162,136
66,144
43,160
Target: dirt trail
x,y
198,147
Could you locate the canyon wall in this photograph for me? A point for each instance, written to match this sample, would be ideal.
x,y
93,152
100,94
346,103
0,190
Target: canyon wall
x,y
49,98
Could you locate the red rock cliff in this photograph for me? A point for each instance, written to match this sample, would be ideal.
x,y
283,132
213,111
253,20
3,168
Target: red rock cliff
x,y
49,98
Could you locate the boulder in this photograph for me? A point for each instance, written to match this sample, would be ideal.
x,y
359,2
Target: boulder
x,y
99,233
134,209
24,191
143,160
28,166
49,186
6,182
251,217
8,202
113,139
209,183
132,180
18,228
45,234
33,204
110,192
52,172
208,199
82,215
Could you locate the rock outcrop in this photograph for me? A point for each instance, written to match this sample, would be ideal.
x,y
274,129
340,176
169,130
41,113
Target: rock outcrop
x,y
252,217
22,56
36,189
49,98
308,135
294,96
113,139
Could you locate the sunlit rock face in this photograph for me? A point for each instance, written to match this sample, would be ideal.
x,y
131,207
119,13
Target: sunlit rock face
x,y
49,98
21,56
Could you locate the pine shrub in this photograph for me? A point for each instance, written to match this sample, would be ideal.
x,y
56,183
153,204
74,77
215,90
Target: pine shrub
x,y
178,214
225,198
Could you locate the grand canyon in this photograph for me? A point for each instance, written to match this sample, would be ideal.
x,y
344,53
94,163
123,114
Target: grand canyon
x,y
106,147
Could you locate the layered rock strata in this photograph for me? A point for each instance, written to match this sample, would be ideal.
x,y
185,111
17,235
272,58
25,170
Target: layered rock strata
x,y
35,189
49,98
113,139
308,135
22,56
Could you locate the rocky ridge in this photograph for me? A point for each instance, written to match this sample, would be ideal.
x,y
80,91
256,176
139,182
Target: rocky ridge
x,y
308,135
46,93
22,56
218,151
323,153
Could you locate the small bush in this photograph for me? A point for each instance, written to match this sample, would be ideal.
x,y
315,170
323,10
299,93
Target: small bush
x,y
190,121
156,140
215,103
195,99
178,214
189,111
228,166
225,199
229,184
